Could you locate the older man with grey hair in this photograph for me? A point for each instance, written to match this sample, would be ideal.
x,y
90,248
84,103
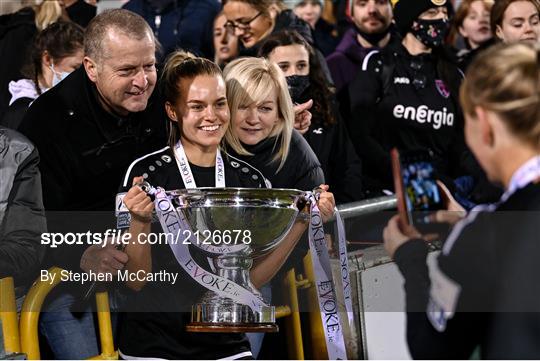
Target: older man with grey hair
x,y
88,129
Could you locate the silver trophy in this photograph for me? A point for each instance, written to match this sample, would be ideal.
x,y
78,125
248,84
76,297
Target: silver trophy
x,y
233,227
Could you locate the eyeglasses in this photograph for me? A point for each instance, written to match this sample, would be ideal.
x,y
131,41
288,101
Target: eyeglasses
x,y
231,26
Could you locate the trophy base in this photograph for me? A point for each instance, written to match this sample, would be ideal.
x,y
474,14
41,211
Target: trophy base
x,y
228,316
228,328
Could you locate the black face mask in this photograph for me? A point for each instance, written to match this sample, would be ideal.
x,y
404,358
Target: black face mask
x,y
431,33
297,86
373,39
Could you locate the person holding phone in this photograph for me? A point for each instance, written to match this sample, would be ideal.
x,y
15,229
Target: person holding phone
x,y
483,289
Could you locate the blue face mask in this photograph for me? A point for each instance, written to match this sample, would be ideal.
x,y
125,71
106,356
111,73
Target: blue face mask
x,y
58,77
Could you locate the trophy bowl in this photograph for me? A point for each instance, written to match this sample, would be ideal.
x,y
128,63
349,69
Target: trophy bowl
x,y
233,227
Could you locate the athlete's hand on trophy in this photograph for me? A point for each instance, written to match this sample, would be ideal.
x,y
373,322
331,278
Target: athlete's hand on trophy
x,y
302,116
326,203
138,202
103,259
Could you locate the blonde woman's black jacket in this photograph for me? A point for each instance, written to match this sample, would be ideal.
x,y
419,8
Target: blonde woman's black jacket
x,y
302,170
493,262
22,219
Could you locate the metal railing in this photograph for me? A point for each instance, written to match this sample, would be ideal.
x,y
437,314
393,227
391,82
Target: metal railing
x,y
367,206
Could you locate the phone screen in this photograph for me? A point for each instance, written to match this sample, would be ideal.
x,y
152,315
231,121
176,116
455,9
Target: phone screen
x,y
420,193
420,187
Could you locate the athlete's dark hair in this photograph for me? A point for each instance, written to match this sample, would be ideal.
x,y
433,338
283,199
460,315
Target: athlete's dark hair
x,y
179,66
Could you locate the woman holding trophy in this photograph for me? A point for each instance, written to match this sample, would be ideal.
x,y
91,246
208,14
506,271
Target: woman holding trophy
x,y
196,104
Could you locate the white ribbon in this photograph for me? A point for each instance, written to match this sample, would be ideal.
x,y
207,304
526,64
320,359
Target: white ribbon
x,y
324,284
344,268
189,183
187,174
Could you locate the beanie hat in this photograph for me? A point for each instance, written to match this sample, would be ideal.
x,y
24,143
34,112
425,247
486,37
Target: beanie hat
x,y
291,4
407,11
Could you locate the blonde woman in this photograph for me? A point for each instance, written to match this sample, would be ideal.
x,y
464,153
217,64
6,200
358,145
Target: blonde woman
x,y
261,130
486,276
261,133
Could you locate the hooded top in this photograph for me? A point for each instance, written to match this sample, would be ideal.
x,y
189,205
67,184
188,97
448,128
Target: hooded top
x,y
24,88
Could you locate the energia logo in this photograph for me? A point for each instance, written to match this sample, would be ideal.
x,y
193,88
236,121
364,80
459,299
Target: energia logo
x,y
423,114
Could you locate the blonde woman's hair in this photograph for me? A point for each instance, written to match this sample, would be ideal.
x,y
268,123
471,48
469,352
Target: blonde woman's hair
x,y
250,81
47,12
505,79
179,66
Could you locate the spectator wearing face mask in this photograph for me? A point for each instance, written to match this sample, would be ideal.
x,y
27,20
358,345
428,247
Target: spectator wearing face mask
x,y
56,52
324,33
405,96
327,135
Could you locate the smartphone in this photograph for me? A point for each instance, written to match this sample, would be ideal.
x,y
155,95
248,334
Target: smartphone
x,y
415,185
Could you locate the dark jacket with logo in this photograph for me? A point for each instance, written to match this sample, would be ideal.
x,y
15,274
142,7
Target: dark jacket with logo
x,y
399,100
84,152
301,169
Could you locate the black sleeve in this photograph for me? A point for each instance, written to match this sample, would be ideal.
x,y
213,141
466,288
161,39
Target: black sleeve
x,y
471,263
364,93
309,172
15,113
411,261
312,178
21,251
45,128
345,168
